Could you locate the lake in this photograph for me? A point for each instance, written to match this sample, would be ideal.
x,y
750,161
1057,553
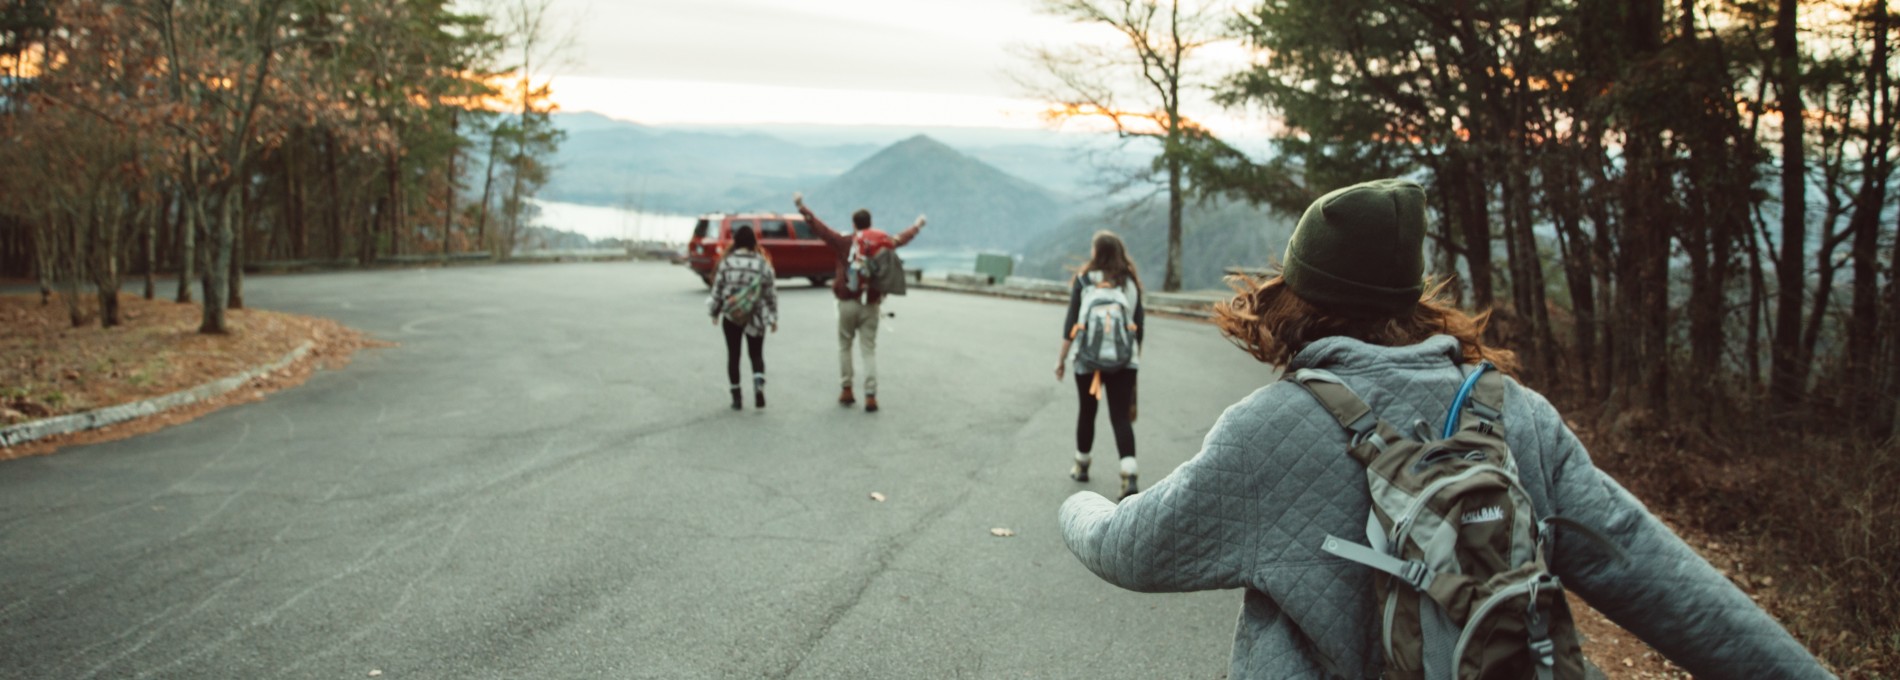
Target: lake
x,y
602,222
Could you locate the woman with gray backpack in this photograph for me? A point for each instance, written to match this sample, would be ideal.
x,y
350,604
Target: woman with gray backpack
x,y
1101,339
745,302
1394,506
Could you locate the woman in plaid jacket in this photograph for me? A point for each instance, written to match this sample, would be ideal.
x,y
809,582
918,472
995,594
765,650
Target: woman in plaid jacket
x,y
745,302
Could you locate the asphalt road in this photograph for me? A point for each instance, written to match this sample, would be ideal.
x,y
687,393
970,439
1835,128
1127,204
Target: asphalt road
x,y
543,479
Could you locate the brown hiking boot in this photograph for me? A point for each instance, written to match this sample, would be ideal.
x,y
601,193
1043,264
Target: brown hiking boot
x,y
847,398
870,403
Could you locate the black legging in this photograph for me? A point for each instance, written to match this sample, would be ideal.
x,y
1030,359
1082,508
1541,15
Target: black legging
x,y
755,347
1120,386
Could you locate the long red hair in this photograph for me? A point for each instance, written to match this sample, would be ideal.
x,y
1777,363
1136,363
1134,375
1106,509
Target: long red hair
x,y
1265,318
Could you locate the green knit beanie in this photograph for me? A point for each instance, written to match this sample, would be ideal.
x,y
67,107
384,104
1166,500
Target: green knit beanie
x,y
1359,251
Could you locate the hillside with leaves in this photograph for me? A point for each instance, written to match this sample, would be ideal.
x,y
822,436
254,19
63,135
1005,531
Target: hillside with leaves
x,y
193,138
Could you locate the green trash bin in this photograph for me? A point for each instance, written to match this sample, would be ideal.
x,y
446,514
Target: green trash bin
x,y
996,266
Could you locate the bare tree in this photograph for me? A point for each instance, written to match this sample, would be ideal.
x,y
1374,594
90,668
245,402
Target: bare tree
x,y
1136,85
536,36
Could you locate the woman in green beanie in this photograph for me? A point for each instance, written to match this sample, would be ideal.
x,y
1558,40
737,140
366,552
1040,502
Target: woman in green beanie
x,y
1256,508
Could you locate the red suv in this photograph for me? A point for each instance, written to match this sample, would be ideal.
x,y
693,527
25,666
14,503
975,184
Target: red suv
x,y
794,249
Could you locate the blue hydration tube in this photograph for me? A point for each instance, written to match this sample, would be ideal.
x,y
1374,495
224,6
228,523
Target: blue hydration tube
x,y
1464,396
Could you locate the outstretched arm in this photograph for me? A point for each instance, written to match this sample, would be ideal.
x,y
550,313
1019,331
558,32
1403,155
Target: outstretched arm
x,y
1664,591
906,235
1162,540
716,302
831,238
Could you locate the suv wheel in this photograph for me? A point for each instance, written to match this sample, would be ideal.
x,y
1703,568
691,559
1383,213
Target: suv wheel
x,y
820,280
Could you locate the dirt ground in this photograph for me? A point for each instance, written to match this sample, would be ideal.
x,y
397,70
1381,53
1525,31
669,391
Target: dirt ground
x,y
49,368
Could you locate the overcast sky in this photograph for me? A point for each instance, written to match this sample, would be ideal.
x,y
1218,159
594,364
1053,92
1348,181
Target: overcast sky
x,y
886,62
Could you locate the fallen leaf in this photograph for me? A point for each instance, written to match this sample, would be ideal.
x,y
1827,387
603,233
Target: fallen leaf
x,y
1004,533
1629,662
374,673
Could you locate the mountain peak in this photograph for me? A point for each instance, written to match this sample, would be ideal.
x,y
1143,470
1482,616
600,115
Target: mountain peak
x,y
921,144
970,203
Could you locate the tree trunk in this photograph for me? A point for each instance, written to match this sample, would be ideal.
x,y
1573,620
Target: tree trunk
x,y
448,193
1787,377
1757,311
1863,379
295,219
1468,185
238,233
1578,274
216,271
45,250
1892,389
74,267
1172,281
336,197
191,213
487,190
152,227
105,273
398,219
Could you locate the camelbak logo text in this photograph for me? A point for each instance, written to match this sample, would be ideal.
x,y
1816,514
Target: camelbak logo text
x,y
1480,516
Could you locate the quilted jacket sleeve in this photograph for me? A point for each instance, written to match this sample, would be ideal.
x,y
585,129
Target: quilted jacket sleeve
x,y
771,296
1176,536
1664,592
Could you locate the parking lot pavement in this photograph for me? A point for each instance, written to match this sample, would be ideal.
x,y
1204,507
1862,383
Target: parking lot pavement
x,y
543,478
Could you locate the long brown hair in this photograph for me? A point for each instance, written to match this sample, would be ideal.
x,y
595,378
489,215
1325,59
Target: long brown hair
x,y
1110,257
1271,323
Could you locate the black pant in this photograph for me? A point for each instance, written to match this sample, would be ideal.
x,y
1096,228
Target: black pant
x,y
1120,386
755,347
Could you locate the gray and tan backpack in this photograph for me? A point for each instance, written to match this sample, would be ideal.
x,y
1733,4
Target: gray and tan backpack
x,y
1463,587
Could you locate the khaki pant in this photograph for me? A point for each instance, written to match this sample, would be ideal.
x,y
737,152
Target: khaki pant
x,y
858,320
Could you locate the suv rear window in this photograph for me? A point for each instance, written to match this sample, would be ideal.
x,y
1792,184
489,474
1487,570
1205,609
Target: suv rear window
x,y
699,230
775,229
737,223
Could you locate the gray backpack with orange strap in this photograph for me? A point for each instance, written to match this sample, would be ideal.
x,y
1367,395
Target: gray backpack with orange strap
x,y
1463,587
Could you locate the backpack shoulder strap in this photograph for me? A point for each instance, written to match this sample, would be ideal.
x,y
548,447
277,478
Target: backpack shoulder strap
x,y
1480,401
1339,400
1487,398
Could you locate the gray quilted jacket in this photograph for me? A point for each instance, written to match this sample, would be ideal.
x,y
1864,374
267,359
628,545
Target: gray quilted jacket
x,y
1273,479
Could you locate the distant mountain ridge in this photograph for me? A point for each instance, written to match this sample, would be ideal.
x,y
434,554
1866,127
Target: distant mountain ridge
x,y
616,163
692,169
1217,234
970,204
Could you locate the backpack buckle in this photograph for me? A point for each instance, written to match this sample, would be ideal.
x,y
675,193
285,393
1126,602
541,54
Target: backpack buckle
x,y
1417,574
1545,651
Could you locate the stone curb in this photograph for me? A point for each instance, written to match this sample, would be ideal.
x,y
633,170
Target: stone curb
x,y
1166,303
22,433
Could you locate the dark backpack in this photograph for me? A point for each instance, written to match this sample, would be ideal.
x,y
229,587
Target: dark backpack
x,y
887,273
1464,590
1104,330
